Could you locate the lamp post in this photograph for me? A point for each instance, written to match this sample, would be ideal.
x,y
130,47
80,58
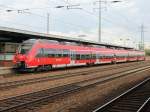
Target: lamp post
x,y
100,15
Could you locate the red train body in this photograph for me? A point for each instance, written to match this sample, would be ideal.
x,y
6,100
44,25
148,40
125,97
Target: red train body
x,y
45,54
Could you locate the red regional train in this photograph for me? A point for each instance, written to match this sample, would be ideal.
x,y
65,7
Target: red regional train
x,y
39,54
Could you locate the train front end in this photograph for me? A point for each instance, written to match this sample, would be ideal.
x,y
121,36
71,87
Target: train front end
x,y
21,57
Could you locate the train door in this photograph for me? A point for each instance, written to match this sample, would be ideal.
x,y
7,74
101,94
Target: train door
x,y
72,57
42,58
115,58
97,57
91,57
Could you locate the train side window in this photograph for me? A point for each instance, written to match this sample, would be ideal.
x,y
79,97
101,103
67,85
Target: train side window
x,y
78,56
66,53
46,52
40,53
83,57
108,56
58,53
54,53
87,56
93,56
100,56
49,53
104,56
72,55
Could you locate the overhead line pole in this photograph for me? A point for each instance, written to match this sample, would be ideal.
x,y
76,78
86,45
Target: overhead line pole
x,y
100,14
99,18
48,23
142,37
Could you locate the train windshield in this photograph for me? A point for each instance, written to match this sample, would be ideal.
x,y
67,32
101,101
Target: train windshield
x,y
24,48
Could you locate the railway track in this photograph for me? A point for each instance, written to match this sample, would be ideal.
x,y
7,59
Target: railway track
x,y
145,107
71,68
8,85
28,101
137,99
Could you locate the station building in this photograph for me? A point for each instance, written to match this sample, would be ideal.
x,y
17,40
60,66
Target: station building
x,y
11,38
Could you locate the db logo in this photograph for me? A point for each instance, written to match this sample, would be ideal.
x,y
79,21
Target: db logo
x,y
58,59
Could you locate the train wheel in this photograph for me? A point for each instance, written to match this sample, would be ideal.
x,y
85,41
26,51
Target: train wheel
x,y
87,64
38,69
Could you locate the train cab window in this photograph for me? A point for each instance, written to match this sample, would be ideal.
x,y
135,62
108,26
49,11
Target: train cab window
x,y
24,48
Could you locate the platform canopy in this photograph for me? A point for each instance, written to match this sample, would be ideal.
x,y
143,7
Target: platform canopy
x,y
18,36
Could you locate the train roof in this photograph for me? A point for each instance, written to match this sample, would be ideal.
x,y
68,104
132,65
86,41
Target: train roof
x,y
17,35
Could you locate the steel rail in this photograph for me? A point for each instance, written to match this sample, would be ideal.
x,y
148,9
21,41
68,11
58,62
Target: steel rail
x,y
13,84
105,107
144,106
75,67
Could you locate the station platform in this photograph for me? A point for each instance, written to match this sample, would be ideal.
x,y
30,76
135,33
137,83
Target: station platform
x,y
5,70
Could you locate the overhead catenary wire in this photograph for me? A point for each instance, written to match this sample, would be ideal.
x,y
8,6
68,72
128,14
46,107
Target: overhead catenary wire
x,y
104,19
65,2
68,23
64,22
59,20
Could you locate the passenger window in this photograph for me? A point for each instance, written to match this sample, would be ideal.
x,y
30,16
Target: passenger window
x,y
39,53
78,56
66,53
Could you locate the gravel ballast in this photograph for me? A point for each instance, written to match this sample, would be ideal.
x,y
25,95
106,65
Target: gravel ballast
x,y
89,99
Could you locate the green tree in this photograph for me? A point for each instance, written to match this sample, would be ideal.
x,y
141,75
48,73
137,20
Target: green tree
x,y
147,51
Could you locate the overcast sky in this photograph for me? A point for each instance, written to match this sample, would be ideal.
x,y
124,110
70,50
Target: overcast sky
x,y
119,20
